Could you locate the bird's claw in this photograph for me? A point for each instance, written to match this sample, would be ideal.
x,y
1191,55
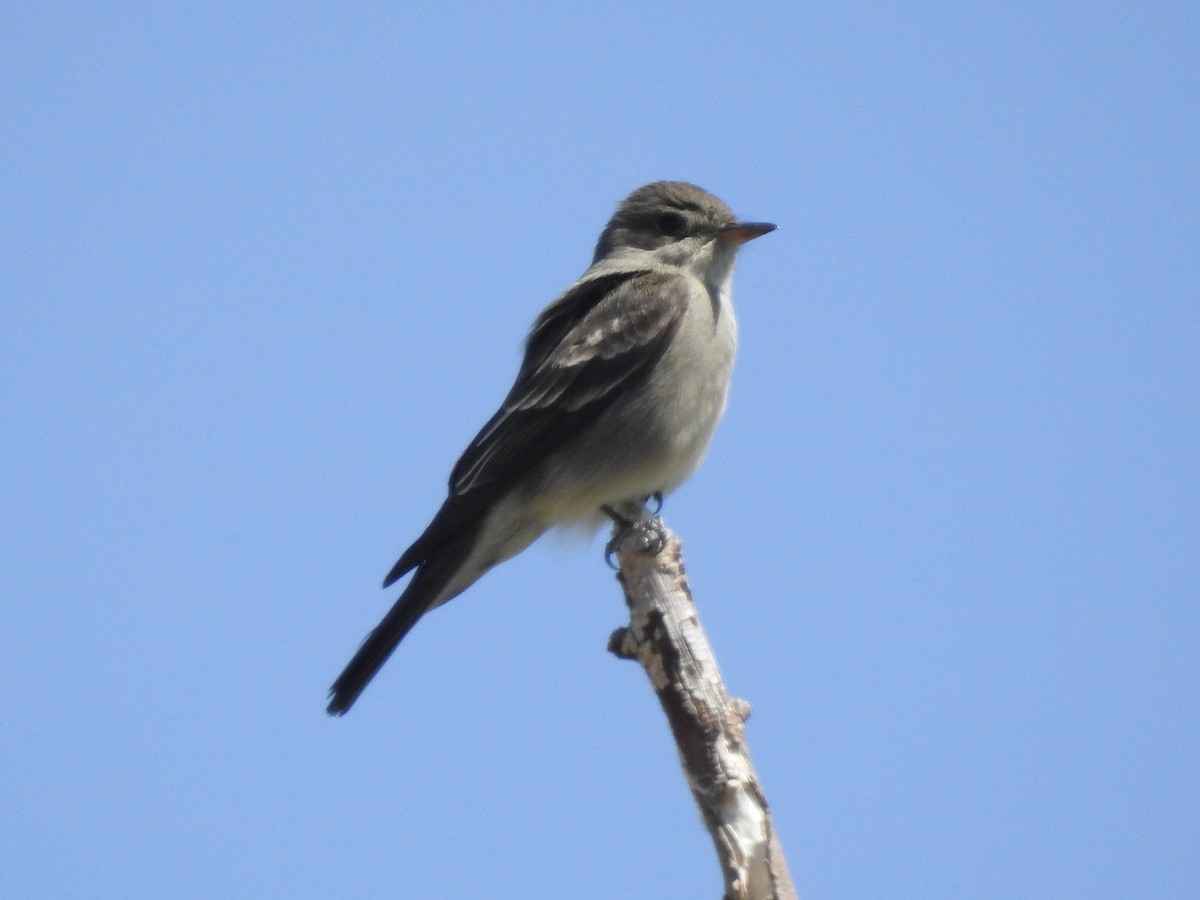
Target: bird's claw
x,y
650,533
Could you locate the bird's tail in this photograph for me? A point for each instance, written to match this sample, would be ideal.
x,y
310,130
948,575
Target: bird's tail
x,y
428,588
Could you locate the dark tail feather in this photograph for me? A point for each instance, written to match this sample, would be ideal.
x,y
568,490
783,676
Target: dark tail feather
x,y
422,592
375,650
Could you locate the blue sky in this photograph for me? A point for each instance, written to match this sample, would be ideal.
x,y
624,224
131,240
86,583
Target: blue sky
x,y
265,270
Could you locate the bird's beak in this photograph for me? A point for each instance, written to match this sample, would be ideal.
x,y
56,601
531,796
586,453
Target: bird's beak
x,y
740,232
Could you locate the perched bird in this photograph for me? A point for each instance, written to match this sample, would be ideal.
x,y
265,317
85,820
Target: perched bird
x,y
624,379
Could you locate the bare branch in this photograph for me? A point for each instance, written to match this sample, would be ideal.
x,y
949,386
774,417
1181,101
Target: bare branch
x,y
665,636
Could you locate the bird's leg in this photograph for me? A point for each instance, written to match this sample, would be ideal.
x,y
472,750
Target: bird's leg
x,y
635,517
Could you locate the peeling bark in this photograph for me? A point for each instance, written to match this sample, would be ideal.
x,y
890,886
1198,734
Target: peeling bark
x,y
665,636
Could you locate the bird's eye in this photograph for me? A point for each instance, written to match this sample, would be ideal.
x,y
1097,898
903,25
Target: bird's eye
x,y
671,224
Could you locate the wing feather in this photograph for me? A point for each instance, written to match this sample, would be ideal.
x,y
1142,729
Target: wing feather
x,y
613,345
595,341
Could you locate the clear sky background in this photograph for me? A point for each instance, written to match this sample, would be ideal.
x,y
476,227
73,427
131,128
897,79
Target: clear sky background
x,y
266,268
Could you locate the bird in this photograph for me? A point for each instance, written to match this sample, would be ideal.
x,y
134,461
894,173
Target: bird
x,y
623,380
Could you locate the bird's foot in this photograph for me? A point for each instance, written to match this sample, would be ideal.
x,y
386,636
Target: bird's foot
x,y
647,529
627,512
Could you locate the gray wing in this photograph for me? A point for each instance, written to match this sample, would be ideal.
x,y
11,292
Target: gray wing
x,y
599,339
608,351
